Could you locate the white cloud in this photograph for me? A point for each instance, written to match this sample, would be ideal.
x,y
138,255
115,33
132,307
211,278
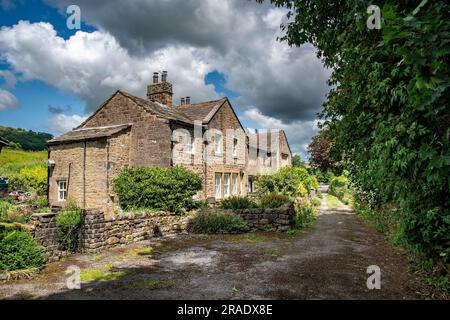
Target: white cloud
x,y
189,38
93,65
62,123
7,100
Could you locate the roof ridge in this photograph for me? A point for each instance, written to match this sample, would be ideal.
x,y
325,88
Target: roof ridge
x,y
203,102
145,104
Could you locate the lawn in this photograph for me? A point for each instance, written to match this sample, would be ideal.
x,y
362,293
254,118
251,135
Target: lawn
x,y
11,160
332,201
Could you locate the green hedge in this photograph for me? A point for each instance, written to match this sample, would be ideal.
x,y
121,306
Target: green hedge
x,y
19,250
216,223
291,181
168,189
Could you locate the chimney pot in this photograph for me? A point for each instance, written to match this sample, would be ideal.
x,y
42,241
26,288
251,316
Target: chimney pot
x,y
182,101
161,92
188,100
164,76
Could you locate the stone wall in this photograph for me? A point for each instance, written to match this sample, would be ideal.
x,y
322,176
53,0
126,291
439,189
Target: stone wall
x,y
43,227
98,233
278,219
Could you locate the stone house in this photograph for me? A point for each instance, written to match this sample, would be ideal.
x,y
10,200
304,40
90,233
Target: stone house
x,y
128,131
3,143
268,151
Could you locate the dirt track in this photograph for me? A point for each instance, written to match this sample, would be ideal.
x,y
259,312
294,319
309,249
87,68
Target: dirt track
x,y
328,261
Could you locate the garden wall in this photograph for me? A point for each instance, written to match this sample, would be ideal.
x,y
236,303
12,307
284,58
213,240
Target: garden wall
x,y
277,219
97,233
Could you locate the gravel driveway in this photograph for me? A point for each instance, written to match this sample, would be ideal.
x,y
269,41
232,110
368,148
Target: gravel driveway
x,y
327,261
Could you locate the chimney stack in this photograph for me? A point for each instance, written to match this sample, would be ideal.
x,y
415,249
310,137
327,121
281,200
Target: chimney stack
x,y
182,101
161,92
188,100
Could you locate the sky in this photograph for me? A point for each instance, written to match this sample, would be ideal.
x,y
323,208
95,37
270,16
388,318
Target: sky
x,y
53,77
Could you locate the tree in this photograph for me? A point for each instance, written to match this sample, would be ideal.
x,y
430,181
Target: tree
x,y
388,109
25,139
297,161
320,152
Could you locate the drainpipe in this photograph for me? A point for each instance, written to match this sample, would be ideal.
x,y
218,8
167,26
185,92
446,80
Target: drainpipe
x,y
48,175
84,177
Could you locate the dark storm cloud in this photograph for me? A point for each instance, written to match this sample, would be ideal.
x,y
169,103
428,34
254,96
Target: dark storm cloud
x,y
142,25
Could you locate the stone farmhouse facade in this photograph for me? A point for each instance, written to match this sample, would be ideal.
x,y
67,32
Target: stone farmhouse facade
x,y
127,131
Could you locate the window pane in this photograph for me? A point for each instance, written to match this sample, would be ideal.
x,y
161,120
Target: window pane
x,y
218,143
235,184
226,185
218,185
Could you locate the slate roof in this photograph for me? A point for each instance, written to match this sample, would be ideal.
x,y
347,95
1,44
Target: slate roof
x,y
202,111
260,136
159,109
89,134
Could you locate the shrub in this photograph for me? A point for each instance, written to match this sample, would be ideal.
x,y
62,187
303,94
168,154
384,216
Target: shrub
x,y
200,204
213,223
237,202
68,223
30,178
19,250
316,202
39,202
325,177
5,209
340,188
305,216
273,200
291,181
169,189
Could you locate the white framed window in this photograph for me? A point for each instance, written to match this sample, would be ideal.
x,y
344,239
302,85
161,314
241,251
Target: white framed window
x,y
226,185
235,144
62,190
234,184
218,143
218,185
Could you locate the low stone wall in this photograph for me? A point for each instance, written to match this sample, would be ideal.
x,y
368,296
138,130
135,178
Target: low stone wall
x,y
97,233
43,227
278,219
